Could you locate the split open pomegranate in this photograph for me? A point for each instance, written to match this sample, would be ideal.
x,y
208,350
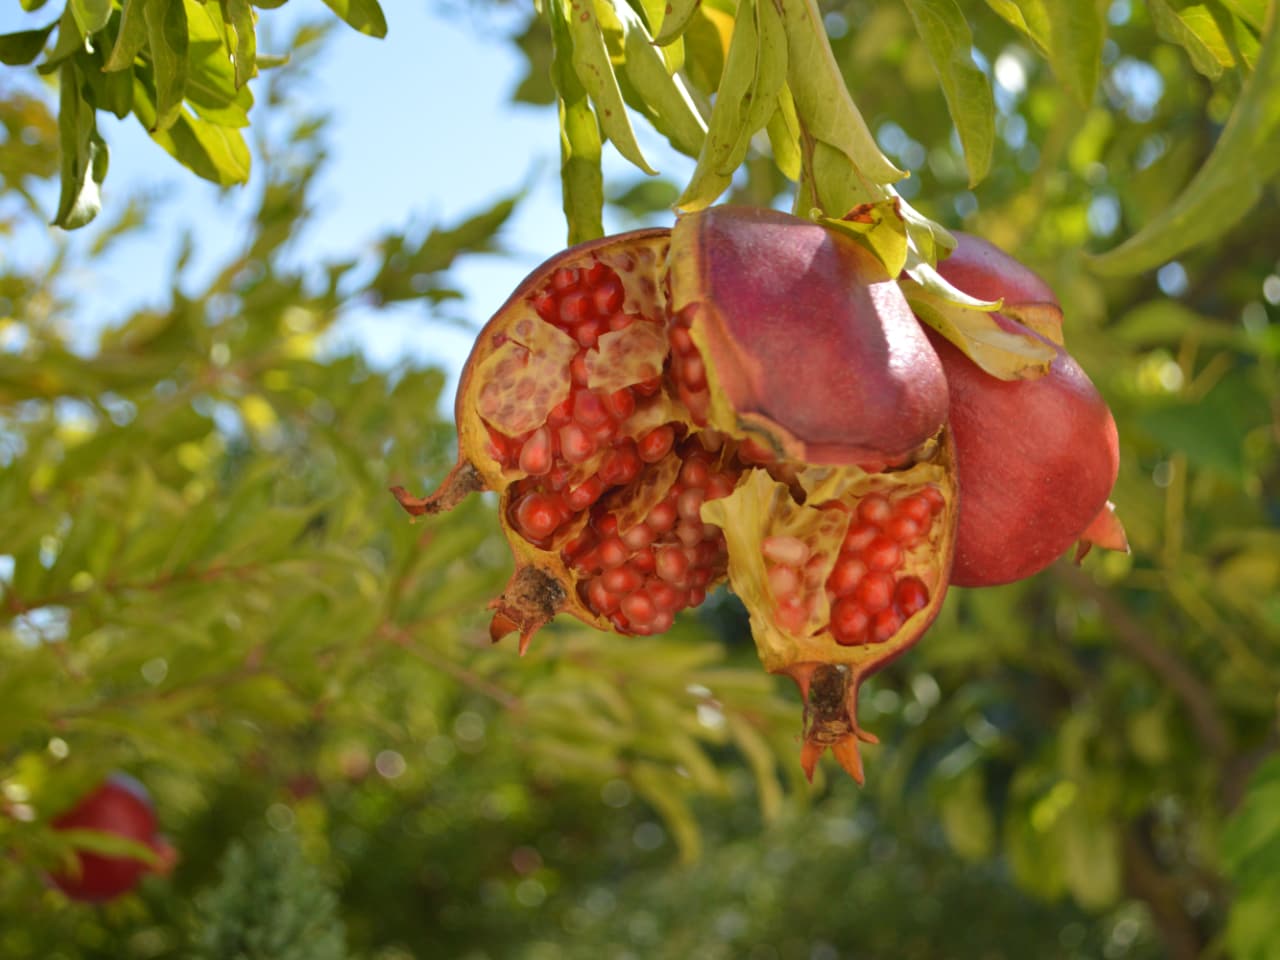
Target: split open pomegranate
x,y
746,396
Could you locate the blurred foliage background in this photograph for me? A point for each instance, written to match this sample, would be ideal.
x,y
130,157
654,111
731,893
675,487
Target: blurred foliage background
x,y
204,582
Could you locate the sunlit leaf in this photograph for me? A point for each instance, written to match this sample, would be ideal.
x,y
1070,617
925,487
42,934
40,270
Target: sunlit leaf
x,y
167,42
1229,184
84,155
676,22
365,16
947,37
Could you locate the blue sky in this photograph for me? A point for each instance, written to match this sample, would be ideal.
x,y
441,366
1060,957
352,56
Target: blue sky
x,y
423,132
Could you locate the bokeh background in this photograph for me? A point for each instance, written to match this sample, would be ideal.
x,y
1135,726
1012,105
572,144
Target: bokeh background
x,y
205,393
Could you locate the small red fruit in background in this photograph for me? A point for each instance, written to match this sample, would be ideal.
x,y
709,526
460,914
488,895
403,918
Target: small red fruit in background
x,y
119,806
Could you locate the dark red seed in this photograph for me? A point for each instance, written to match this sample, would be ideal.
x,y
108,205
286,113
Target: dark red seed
x,y
608,298
874,509
537,515
885,624
575,308
849,622
912,596
883,554
620,404
589,410
874,591
566,278
656,444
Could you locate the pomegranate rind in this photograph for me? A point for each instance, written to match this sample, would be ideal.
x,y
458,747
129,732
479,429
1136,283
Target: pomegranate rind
x,y
1105,531
776,305
1037,460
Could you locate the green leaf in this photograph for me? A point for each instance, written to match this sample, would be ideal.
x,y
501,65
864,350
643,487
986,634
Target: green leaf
x,y
1229,184
70,42
241,17
676,22
19,49
582,184
1252,12
877,226
132,36
218,154
784,136
167,37
754,74
84,154
947,38
1028,17
1077,29
595,70
969,325
822,100
363,15
664,98
1201,28
109,844
91,15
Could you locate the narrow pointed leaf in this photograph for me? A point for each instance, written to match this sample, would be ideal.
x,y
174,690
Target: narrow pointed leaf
x,y
784,136
241,16
1230,183
668,104
365,16
91,15
949,42
19,49
594,68
676,22
822,100
1029,17
1077,29
167,37
131,38
84,155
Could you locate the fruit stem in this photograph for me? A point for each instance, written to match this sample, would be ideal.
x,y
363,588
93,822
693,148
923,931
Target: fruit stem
x,y
463,480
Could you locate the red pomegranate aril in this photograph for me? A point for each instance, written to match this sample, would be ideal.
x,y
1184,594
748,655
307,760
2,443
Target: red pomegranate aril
x,y
656,444
911,596
671,564
665,596
606,524
932,496
564,279
535,455
537,515
575,445
708,552
692,372
846,574
914,507
697,595
545,305
637,608
613,553
644,561
689,533
599,598
597,273
620,404
720,486
859,537
885,624
752,451
662,517
561,413
648,388
575,308
874,591
621,580
849,622
584,494
578,369
621,466
662,621
680,340
589,409
883,554
695,473
905,530
638,537
588,333
608,298
791,615
874,509
689,506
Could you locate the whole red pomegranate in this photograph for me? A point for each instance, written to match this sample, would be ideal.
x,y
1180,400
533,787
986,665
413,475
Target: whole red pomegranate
x,y
119,806
1036,459
746,395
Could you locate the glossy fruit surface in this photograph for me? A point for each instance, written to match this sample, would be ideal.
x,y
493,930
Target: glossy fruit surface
x,y
1036,459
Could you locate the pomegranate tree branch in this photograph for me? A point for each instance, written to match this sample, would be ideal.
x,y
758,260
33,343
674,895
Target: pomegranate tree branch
x,y
1176,675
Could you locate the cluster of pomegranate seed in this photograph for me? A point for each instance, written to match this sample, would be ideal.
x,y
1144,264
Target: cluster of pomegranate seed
x,y
688,371
593,440
869,604
640,571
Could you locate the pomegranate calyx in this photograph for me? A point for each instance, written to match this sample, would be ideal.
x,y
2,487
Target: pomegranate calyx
x,y
830,717
531,599
1105,531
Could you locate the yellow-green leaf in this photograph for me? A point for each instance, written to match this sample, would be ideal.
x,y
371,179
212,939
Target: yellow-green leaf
x,y
1028,17
1210,35
167,39
877,226
131,38
1077,29
949,42
784,136
676,22
667,102
594,68
362,15
1228,186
